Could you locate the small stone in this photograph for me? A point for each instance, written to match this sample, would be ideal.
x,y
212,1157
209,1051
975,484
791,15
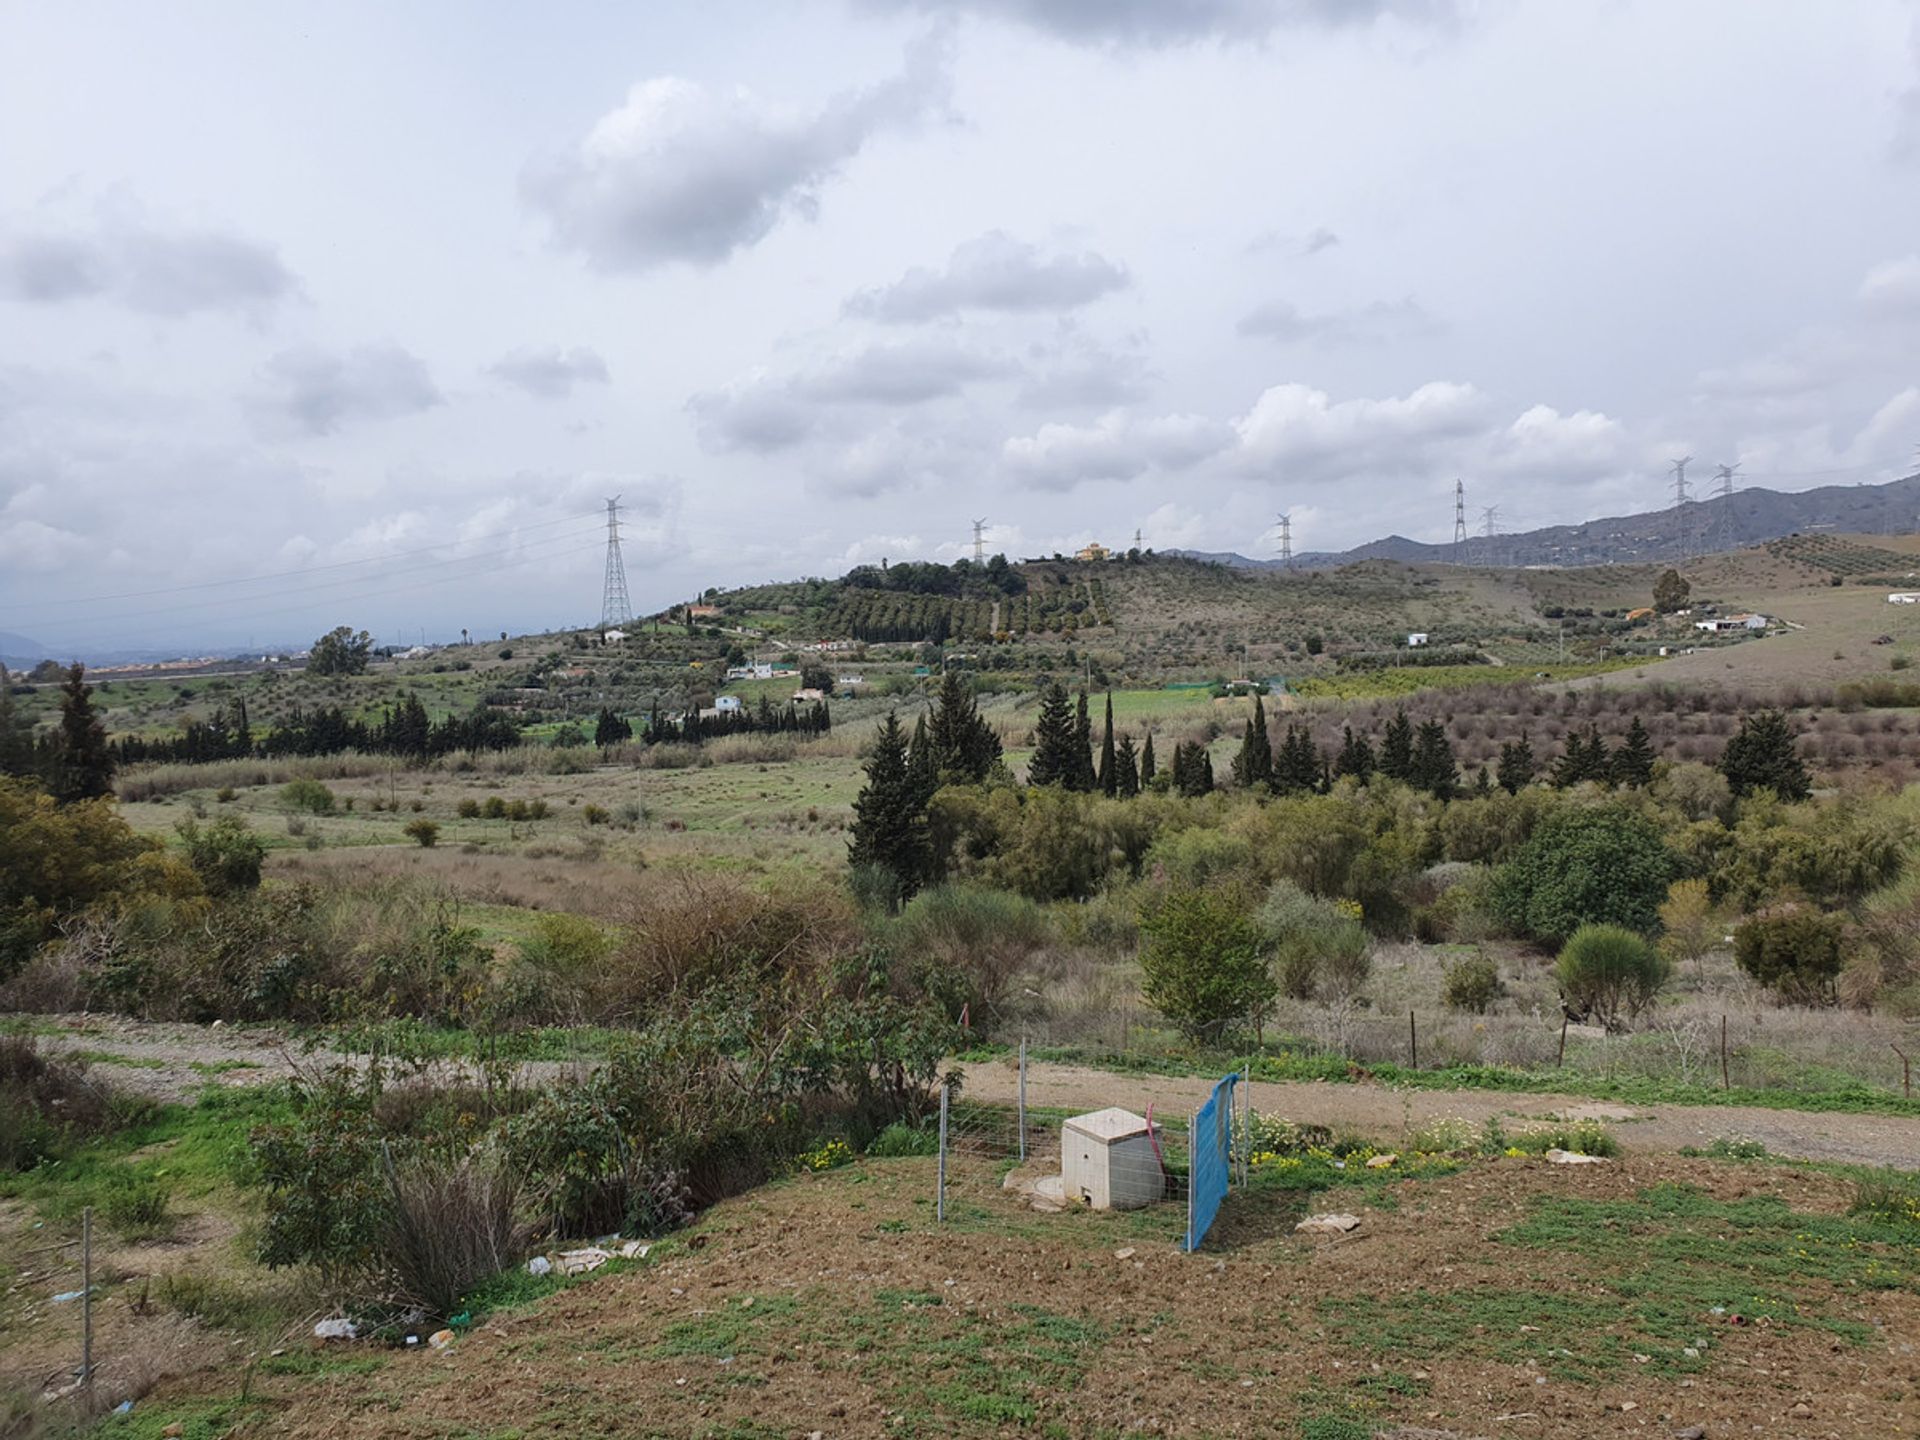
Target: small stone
x,y
174,1430
1125,1252
1629,1405
1801,1411
1421,1375
1691,1432
1332,1224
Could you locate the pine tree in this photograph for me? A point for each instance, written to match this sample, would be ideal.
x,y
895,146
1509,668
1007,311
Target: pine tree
x,y
1253,765
1052,762
1082,779
1356,756
1434,769
1109,778
1571,767
889,819
1517,766
1126,769
1298,767
1483,783
82,763
965,747
1148,769
1763,755
1192,769
1396,749
1633,761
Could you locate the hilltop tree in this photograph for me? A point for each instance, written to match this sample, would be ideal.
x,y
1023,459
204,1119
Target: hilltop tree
x,y
965,747
1671,592
1052,762
1396,748
1517,766
82,763
1109,777
1434,769
1633,762
1083,779
341,652
1763,755
1356,756
1148,768
889,815
1126,780
1253,765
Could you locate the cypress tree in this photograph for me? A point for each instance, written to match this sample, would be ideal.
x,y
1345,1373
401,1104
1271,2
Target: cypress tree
x,y
1434,769
1082,779
1763,755
889,818
1052,762
922,766
1517,767
1126,769
1192,769
16,740
1633,761
1356,756
1483,783
82,763
1109,777
1396,749
1253,764
1298,766
965,748
1148,769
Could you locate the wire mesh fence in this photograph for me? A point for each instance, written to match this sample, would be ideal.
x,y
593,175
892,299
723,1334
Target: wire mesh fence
x,y
1055,1158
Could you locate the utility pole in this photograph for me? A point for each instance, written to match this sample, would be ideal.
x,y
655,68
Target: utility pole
x,y
979,542
1286,541
615,608
1680,498
1459,521
1723,487
1136,537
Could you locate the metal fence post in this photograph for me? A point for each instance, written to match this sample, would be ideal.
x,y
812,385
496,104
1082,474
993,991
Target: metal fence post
x,y
86,1296
1246,1127
1193,1132
940,1195
1023,1102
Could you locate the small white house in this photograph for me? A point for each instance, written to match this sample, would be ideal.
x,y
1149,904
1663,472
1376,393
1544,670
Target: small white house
x,y
1904,597
808,696
613,637
1721,624
727,704
1416,638
848,681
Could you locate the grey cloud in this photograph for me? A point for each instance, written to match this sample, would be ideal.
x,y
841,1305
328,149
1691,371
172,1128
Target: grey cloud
x,y
1371,324
907,374
1181,22
1299,246
680,172
152,271
314,392
550,373
993,272
1906,123
757,415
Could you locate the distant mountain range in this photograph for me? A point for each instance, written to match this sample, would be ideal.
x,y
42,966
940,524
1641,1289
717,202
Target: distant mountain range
x,y
1748,517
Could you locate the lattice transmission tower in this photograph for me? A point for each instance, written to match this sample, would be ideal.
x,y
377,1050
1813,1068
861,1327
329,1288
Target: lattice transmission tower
x,y
1723,487
615,608
1680,498
1286,541
980,542
1459,522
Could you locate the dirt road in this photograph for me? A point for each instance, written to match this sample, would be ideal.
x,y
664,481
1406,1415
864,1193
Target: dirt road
x,y
1378,1111
173,1062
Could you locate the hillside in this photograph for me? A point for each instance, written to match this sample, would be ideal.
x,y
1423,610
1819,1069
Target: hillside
x,y
1750,517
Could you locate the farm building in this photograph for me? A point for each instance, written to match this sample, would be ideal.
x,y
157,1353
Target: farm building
x,y
727,705
1722,623
1904,597
1416,638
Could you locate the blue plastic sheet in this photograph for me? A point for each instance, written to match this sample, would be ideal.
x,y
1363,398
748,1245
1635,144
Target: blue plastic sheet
x,y
1210,1165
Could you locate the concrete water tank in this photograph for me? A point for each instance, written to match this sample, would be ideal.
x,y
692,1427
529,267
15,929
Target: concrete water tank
x,y
1108,1160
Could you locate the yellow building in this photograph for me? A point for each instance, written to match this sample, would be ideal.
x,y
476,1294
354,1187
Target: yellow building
x,y
1095,551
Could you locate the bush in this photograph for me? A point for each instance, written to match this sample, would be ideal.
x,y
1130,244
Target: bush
x,y
139,1206
1204,963
900,1140
1471,983
45,1103
225,854
1610,973
1794,950
311,796
596,814
1604,865
468,809
451,1225
495,808
964,945
1319,946
422,832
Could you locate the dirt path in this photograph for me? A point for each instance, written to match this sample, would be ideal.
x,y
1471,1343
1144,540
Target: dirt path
x,y
173,1062
1379,1111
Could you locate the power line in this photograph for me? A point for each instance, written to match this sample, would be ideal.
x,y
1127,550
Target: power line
x,y
615,608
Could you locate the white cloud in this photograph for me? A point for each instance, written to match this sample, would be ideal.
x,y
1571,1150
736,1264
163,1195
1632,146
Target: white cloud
x,y
993,272
1375,323
681,172
1543,444
1182,22
1302,434
1116,447
1894,287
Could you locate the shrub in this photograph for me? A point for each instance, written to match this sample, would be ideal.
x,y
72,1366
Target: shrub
x,y
495,808
1794,950
311,796
964,945
1204,963
1691,924
422,832
468,809
225,794
47,1102
452,1224
225,854
596,815
1610,973
1604,865
1319,946
899,1140
1471,983
139,1206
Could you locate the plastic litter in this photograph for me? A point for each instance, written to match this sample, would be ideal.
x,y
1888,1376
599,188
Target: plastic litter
x,y
66,1295
1573,1157
579,1262
338,1328
440,1339
125,1407
1332,1224
539,1265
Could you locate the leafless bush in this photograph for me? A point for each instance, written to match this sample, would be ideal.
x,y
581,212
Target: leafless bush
x,y
452,1225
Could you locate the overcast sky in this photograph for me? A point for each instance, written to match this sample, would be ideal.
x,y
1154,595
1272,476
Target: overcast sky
x,y
361,310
